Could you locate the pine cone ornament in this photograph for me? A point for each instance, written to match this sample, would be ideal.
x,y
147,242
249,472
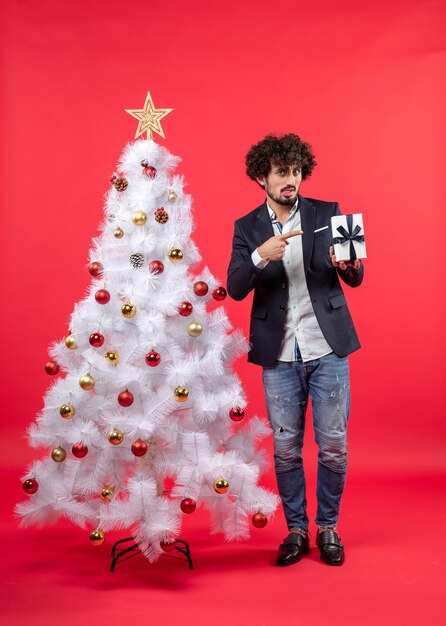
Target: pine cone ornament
x,y
120,184
137,260
161,216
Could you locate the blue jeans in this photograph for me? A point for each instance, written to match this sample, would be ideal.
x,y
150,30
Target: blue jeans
x,y
287,387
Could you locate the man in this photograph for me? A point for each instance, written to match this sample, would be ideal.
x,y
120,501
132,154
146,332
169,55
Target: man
x,y
301,333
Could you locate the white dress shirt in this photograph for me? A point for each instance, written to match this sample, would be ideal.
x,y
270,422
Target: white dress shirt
x,y
301,324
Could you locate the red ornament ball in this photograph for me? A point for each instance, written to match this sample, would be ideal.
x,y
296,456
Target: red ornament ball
x,y
168,545
149,171
219,294
79,450
52,368
237,414
95,268
259,520
153,358
102,296
139,447
96,340
188,505
125,398
200,288
185,308
156,267
30,486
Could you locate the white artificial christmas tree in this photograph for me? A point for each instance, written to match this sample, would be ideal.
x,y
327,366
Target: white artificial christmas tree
x,y
147,390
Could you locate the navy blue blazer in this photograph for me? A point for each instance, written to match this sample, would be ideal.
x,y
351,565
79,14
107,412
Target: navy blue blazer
x,y
271,287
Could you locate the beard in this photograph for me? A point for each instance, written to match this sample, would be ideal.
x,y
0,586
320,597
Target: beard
x,y
282,200
285,201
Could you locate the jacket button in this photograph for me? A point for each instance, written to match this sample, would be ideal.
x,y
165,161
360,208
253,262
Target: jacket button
x,y
282,308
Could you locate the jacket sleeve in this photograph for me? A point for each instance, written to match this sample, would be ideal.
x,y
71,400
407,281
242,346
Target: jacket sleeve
x,y
242,273
351,277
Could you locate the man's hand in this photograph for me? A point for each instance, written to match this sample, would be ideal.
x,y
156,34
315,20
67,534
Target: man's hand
x,y
343,265
274,248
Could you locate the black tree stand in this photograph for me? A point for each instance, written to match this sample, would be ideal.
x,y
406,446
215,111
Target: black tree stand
x,y
121,553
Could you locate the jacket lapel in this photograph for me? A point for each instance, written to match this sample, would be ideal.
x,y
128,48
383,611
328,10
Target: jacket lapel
x,y
263,231
308,222
263,225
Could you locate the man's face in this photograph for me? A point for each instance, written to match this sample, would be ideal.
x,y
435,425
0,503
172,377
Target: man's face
x,y
282,183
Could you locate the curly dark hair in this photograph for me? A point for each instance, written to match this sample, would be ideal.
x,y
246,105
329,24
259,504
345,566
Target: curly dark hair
x,y
284,150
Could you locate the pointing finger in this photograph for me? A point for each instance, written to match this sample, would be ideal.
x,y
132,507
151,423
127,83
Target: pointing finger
x,y
292,233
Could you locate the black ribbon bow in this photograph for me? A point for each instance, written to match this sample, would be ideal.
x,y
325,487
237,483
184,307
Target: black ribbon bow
x,y
351,234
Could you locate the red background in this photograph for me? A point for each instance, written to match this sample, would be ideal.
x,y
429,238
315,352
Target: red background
x,y
364,83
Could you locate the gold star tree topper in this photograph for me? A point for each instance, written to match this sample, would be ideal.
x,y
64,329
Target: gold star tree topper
x,y
149,118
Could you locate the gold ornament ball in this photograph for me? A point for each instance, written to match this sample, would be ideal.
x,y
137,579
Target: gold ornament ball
x,y
221,485
115,437
128,310
139,218
58,455
118,233
175,255
97,537
181,394
70,342
67,411
112,357
107,494
194,329
172,196
87,382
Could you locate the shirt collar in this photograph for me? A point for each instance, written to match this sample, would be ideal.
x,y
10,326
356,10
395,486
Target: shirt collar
x,y
272,215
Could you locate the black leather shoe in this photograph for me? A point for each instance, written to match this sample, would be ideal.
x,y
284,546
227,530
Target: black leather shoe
x,y
292,548
330,546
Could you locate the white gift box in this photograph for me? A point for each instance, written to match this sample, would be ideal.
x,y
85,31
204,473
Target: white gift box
x,y
348,237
